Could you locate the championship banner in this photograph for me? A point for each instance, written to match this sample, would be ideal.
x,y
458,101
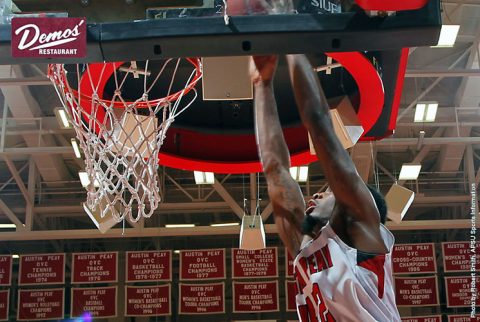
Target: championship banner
x,y
206,264
456,256
416,291
49,37
202,298
430,318
43,269
255,297
414,258
41,304
6,270
290,295
288,264
4,305
463,318
99,302
459,291
149,266
94,267
147,300
259,263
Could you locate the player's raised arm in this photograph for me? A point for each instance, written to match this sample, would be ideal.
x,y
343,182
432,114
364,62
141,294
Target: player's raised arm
x,y
351,193
285,194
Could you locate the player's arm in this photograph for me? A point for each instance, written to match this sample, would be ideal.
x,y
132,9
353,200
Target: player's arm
x,y
285,194
349,189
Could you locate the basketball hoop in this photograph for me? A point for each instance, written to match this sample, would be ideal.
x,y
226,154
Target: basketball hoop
x,y
121,113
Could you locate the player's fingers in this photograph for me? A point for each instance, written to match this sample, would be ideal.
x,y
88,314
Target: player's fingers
x,y
252,66
263,61
254,74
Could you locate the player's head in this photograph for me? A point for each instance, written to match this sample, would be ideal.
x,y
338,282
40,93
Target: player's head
x,y
318,213
321,206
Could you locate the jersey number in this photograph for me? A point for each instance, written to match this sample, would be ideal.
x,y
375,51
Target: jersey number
x,y
308,313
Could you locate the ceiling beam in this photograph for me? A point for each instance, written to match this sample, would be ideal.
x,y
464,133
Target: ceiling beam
x,y
384,170
432,224
267,211
164,207
470,169
462,2
432,85
228,199
206,231
443,73
18,180
25,81
428,141
423,151
185,192
11,178
450,158
445,115
23,105
439,200
10,214
437,124
32,178
211,207
477,177
37,150
385,142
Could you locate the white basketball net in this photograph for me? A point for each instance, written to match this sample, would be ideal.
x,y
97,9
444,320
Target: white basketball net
x,y
121,139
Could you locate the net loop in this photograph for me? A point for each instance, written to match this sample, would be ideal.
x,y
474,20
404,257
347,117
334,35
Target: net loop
x,y
121,137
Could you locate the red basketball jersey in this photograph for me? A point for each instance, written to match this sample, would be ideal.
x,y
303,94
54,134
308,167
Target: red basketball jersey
x,y
336,282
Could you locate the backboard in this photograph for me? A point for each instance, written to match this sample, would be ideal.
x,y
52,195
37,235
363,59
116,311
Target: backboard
x,y
367,38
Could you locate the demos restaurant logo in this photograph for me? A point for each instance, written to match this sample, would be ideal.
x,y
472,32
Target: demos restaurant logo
x,y
49,37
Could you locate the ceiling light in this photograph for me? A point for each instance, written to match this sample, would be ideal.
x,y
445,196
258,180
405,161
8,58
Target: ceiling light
x,y
6,226
300,174
180,226
62,118
204,177
426,112
448,36
409,171
76,148
14,256
85,180
225,224
176,251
